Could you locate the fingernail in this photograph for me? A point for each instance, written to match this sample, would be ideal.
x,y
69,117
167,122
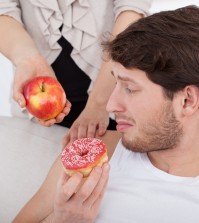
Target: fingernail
x,y
106,167
79,174
19,102
98,169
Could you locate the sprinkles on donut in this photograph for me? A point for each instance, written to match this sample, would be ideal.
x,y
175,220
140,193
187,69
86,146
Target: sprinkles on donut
x,y
84,154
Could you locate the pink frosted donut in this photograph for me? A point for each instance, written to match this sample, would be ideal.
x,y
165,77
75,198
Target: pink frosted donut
x,y
82,155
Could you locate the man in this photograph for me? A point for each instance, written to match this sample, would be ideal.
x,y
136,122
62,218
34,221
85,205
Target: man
x,y
155,166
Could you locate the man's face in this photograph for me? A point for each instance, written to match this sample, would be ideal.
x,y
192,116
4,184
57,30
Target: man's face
x,y
144,115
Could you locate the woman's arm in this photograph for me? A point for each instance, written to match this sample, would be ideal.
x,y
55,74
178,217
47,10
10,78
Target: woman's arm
x,y
95,117
105,83
17,45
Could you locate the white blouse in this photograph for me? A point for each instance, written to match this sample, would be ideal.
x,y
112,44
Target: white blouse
x,y
84,22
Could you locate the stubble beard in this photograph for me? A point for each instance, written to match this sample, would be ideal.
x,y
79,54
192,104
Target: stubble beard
x,y
162,132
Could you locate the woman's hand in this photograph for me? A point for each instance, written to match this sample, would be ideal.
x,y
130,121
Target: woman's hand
x,y
59,118
77,200
93,119
28,69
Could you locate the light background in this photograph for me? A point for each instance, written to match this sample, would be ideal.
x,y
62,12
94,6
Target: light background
x,y
6,74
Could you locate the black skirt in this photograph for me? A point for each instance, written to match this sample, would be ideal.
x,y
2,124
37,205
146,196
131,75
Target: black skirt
x,y
75,83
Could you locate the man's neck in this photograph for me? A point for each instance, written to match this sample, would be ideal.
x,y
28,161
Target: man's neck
x,y
181,161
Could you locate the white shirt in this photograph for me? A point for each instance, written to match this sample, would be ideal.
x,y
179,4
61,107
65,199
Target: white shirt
x,y
138,192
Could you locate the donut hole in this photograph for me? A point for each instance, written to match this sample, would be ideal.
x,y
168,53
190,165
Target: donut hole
x,y
84,153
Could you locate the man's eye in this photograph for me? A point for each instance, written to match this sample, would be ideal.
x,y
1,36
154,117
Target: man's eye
x,y
128,90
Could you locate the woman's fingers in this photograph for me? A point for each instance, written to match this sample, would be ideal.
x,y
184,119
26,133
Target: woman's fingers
x,y
57,119
67,186
100,188
77,198
47,123
93,186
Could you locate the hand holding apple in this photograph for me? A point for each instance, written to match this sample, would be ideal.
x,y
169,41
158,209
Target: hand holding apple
x,y
45,97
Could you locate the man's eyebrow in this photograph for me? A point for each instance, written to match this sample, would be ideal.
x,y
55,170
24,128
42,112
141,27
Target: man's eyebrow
x,y
123,78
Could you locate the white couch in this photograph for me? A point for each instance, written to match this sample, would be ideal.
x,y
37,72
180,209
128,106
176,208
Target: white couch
x,y
27,150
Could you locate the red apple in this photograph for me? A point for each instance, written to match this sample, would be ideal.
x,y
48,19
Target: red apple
x,y
45,97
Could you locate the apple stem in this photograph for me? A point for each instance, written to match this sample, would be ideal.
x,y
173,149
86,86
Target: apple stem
x,y
42,87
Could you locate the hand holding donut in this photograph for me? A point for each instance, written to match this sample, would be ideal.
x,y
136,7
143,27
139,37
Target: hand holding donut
x,y
77,201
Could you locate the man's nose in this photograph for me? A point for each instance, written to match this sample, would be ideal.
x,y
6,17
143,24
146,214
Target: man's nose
x,y
114,103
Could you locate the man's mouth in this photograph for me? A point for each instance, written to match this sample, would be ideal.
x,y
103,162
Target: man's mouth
x,y
123,125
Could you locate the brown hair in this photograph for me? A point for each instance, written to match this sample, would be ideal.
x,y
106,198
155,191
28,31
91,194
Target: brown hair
x,y
165,45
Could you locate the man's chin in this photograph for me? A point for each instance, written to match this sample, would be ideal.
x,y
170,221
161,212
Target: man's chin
x,y
127,137
131,145
126,141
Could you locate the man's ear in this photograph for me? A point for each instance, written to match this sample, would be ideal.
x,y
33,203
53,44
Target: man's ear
x,y
190,99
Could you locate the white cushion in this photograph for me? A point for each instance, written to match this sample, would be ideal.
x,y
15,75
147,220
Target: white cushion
x,y
27,150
